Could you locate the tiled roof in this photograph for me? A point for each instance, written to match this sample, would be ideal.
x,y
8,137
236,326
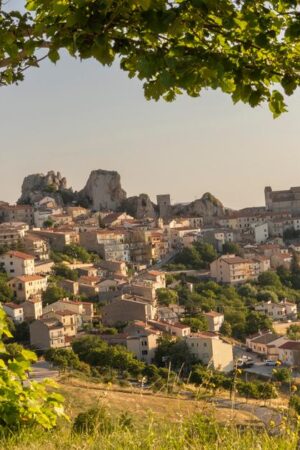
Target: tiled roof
x,y
20,255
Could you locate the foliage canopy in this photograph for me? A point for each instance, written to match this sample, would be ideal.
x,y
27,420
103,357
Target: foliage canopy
x,y
248,49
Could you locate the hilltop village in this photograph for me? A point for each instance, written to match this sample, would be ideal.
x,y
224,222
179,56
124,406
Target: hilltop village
x,y
219,282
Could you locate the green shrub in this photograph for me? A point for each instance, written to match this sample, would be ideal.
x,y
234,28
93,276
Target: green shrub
x,y
93,420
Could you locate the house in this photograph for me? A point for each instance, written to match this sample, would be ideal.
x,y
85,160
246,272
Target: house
x,y
214,320
17,213
208,348
26,286
17,263
126,309
157,277
12,233
68,318
281,259
259,342
109,244
234,269
14,311
36,246
47,333
289,353
113,268
144,345
58,239
84,310
32,308
276,311
177,329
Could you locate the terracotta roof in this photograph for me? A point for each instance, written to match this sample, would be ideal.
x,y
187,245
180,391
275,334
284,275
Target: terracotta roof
x,y
291,345
265,338
12,305
236,260
27,278
20,255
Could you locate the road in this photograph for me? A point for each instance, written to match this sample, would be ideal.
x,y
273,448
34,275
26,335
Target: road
x,y
42,370
270,417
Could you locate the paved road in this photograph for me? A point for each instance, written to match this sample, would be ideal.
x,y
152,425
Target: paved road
x,y
42,370
265,414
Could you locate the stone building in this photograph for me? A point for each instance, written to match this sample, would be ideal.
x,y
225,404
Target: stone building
x,y
287,200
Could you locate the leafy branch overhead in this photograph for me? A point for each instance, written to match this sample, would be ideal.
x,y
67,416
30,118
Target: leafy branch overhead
x,y
249,49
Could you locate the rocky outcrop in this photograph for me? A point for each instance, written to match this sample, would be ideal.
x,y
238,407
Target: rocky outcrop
x,y
208,207
103,191
139,207
37,186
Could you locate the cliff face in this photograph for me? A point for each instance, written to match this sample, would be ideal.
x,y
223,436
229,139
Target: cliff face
x,y
139,207
103,190
37,186
208,206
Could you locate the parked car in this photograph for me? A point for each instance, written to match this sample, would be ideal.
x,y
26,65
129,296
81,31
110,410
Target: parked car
x,y
270,362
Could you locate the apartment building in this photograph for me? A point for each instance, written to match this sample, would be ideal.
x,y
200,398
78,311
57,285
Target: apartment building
x,y
109,244
277,311
17,263
47,333
143,345
28,286
14,311
234,269
215,320
32,308
36,246
12,233
16,213
58,239
127,308
211,350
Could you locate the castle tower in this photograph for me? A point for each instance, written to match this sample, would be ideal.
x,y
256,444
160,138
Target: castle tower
x,y
268,197
164,205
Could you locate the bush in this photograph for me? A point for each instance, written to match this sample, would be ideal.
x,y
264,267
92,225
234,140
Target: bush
x,y
92,421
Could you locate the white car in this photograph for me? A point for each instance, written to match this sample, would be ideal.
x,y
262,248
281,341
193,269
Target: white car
x,y
270,362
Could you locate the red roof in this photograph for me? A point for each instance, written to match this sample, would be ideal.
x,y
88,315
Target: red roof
x,y
291,345
20,255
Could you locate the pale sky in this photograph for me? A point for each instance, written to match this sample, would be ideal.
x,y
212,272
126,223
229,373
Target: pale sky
x,y
75,117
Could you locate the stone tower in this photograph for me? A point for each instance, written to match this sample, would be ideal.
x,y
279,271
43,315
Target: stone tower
x,y
164,206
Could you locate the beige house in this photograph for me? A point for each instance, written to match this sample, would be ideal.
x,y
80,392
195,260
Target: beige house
x,y
47,333
26,286
12,233
259,343
68,318
289,353
214,320
175,329
17,263
36,246
143,346
114,267
276,311
33,308
14,311
83,310
211,350
234,269
126,309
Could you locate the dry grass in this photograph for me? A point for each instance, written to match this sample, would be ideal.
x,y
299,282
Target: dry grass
x,y
281,328
80,395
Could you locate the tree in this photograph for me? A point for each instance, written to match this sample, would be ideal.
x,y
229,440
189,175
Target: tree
x,y
24,403
256,321
52,294
77,252
232,248
249,50
269,278
198,323
226,328
293,332
62,270
166,296
6,293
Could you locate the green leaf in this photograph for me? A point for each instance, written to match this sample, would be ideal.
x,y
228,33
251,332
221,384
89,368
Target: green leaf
x,y
53,55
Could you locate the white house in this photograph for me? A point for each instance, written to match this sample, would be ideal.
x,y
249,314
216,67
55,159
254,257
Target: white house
x,y
17,263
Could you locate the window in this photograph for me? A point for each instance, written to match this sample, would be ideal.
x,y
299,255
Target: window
x,y
144,352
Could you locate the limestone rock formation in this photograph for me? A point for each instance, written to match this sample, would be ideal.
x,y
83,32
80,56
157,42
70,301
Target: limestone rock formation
x,y
139,207
208,206
37,186
102,191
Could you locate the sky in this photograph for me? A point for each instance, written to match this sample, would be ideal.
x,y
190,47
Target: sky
x,y
75,117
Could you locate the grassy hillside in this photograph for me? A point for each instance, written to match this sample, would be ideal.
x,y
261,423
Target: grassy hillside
x,y
141,421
